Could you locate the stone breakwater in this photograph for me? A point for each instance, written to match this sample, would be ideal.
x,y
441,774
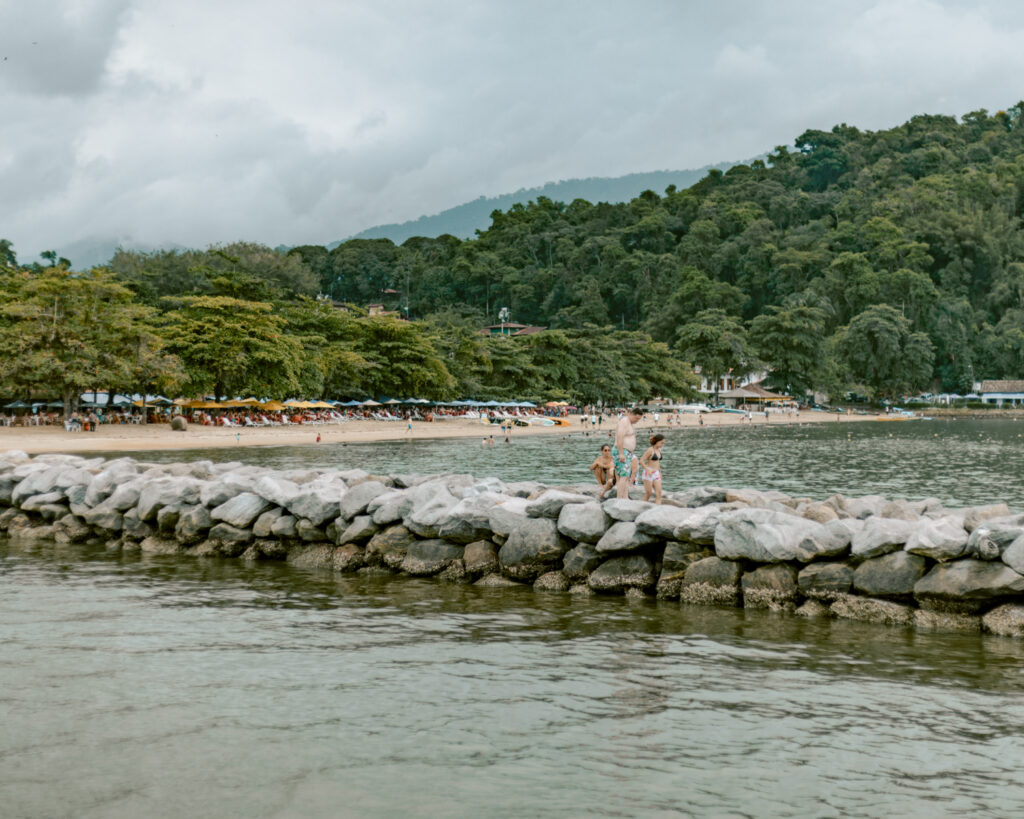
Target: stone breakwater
x,y
869,558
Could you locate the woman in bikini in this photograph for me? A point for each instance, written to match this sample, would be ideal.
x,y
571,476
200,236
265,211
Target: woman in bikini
x,y
603,468
650,464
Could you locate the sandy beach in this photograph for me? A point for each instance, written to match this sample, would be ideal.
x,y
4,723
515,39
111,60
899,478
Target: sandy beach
x,y
128,437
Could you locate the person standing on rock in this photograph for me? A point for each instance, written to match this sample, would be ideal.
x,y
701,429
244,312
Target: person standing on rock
x,y
603,468
650,464
625,446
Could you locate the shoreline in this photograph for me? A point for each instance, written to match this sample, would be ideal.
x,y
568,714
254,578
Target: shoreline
x,y
136,438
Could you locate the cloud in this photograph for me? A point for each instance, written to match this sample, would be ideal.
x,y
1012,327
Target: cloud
x,y
193,123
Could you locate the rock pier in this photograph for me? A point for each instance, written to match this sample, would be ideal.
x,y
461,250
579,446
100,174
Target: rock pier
x,y
904,563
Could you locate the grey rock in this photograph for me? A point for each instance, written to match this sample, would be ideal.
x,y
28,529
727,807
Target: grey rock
x,y
892,575
241,510
869,610
284,527
167,518
700,525
264,525
358,498
107,480
711,581
533,547
361,528
276,490
318,556
963,583
317,504
52,511
226,533
389,546
825,581
354,476
154,545
34,502
1006,620
879,536
468,520
124,496
428,557
767,536
165,492
813,608
497,581
899,510
550,502
623,536
70,529
819,512
771,587
621,573
390,507
480,558
680,554
271,549
939,539
1013,555
507,516
309,532
579,562
193,523
224,488
583,522
974,516
946,621
430,511
349,558
868,506
31,534
132,528
989,540
104,517
552,582
661,521
625,509
699,496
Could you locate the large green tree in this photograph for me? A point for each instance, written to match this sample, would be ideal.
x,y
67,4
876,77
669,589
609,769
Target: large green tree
x,y
881,351
791,342
717,343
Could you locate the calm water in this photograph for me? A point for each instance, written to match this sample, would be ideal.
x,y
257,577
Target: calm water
x,y
153,687
960,462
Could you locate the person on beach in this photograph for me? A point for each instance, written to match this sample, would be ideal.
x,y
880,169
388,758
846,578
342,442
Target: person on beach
x,y
603,468
622,452
650,464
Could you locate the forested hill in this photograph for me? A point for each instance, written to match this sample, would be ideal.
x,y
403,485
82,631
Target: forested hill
x,y
465,220
888,258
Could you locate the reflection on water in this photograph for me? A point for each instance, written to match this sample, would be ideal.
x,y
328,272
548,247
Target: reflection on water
x,y
959,461
135,686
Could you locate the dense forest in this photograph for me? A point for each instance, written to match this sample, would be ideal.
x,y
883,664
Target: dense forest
x,y
882,262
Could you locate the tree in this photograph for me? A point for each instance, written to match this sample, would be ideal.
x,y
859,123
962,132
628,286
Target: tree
x,y
403,362
881,352
65,332
791,342
233,347
717,343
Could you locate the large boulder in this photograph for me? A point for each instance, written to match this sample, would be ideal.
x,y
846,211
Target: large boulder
x,y
548,504
989,540
580,561
1006,620
625,509
284,527
317,504
940,539
193,523
361,528
891,575
427,557
469,519
699,496
165,492
389,546
357,498
583,522
390,507
506,516
825,581
621,573
108,479
429,514
105,517
225,533
767,536
870,610
552,582
309,532
241,510
965,584
879,536
661,521
317,556
34,503
276,490
70,529
125,495
700,525
480,558
975,516
711,581
771,587
623,537
264,525
1013,555
532,548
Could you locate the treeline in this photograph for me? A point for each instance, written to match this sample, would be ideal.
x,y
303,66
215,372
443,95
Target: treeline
x,y
880,262
244,320
877,261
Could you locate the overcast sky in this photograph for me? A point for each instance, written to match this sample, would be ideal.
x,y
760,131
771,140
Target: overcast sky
x,y
156,122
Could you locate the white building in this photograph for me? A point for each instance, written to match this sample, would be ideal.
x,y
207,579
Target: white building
x,y
1002,392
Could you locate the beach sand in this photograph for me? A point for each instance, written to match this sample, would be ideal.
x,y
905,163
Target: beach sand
x,y
128,437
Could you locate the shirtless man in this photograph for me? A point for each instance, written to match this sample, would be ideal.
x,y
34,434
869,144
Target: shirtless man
x,y
623,452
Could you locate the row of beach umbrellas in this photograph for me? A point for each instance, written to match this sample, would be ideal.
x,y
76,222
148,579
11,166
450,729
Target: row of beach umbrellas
x,y
270,405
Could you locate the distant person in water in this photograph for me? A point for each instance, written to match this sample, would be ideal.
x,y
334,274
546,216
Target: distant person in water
x,y
650,464
603,468
624,449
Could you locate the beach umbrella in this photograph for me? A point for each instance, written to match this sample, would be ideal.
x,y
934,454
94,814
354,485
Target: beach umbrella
x,y
273,406
17,405
526,404
321,405
392,401
370,403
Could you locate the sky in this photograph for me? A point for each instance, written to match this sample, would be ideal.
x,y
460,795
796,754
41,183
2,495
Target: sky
x,y
153,123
